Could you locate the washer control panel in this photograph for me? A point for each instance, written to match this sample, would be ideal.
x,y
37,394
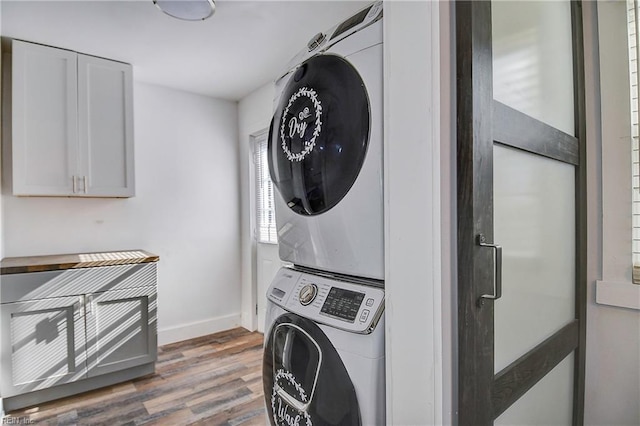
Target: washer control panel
x,y
344,305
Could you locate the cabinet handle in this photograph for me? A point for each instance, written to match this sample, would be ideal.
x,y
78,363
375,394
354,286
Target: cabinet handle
x,y
88,305
85,184
81,307
75,185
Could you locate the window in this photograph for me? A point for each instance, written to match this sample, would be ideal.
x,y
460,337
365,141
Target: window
x,y
265,212
614,100
632,23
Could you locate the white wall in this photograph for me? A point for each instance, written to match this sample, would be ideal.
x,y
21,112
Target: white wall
x,y
186,210
613,333
254,115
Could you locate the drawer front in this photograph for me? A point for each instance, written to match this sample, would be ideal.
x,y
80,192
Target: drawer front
x,y
74,282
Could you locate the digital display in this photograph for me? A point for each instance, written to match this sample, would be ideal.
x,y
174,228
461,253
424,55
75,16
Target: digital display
x,y
343,304
351,22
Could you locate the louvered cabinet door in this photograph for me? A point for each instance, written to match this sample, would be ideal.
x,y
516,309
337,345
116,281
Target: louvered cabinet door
x,y
121,329
43,344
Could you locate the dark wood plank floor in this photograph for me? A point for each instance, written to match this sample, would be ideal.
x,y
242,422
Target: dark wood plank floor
x,y
211,380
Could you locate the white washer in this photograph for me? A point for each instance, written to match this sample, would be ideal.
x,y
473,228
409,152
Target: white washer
x,y
324,352
325,151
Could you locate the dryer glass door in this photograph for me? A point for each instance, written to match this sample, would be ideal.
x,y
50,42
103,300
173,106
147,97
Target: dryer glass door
x,y
319,134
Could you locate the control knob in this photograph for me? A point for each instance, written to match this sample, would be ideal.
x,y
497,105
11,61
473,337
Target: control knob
x,y
307,294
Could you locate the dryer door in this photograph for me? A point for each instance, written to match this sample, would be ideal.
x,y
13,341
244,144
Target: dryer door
x,y
305,381
319,134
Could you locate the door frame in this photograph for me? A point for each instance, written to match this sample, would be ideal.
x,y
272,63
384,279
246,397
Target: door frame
x,y
481,397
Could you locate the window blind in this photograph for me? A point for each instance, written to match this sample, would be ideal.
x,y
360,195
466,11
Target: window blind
x,y
265,211
634,37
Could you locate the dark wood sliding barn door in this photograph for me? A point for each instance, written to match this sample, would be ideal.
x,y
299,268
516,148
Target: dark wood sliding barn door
x,y
521,221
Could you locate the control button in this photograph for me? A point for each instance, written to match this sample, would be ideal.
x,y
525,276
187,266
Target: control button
x,y
369,302
307,294
364,315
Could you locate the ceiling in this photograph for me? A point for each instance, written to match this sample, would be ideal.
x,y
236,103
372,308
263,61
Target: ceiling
x,y
243,46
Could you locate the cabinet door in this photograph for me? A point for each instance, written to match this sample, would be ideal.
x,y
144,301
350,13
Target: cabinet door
x,y
121,329
43,344
105,104
44,119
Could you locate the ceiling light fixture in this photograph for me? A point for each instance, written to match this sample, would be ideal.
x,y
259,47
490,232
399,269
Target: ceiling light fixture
x,y
187,10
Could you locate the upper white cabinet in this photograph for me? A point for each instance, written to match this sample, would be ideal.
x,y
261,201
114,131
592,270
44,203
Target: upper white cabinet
x,y
72,124
105,113
44,119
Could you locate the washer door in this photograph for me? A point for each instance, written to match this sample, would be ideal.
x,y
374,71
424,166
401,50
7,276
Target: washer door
x,y
319,134
305,381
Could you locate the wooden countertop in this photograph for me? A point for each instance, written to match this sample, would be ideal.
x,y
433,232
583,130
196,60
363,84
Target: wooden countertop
x,y
20,265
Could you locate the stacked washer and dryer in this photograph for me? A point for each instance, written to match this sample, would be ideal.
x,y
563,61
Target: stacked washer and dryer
x,y
324,332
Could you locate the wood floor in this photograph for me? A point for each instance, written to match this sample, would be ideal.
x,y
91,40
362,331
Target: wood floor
x,y
211,380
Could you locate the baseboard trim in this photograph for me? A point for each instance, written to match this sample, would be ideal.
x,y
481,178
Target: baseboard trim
x,y
198,328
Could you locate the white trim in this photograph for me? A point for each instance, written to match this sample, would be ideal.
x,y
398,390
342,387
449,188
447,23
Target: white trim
x,y
616,142
448,215
621,294
196,329
413,229
254,115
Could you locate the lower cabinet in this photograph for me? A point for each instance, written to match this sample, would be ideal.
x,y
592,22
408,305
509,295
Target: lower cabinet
x,y
59,340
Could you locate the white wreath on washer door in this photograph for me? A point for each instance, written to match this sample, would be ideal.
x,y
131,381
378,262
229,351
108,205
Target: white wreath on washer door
x,y
285,415
301,127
